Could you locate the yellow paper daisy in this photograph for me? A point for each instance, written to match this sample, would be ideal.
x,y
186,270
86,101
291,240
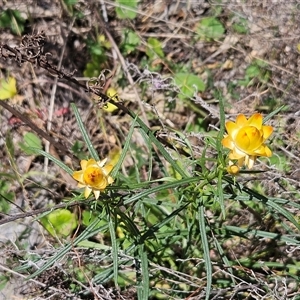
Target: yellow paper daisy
x,y
94,176
246,138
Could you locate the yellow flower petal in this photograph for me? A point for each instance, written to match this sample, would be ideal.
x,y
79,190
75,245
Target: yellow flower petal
x,y
268,151
83,164
110,180
236,154
102,162
256,120
263,151
102,184
90,163
241,120
97,194
107,169
87,192
248,139
241,161
78,175
267,130
231,128
249,161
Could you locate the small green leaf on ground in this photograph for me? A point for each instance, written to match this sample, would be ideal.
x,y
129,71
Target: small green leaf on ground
x,y
189,84
30,141
130,41
60,222
240,26
210,28
123,12
154,47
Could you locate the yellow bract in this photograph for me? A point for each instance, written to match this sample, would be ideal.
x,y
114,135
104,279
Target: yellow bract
x,y
246,139
94,176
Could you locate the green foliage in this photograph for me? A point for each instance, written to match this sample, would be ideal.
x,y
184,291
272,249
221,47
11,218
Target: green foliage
x,y
4,279
11,18
188,84
31,140
60,222
130,41
256,71
77,149
210,28
70,2
240,25
126,9
5,195
154,48
281,162
10,145
71,9
98,50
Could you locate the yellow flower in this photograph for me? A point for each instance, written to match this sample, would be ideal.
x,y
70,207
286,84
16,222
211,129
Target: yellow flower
x,y
93,176
246,139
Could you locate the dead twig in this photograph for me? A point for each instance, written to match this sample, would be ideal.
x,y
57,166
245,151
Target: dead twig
x,y
37,212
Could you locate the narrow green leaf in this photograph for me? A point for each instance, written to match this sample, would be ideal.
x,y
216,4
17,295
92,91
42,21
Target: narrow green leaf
x,y
84,133
224,258
220,150
31,140
165,186
205,248
283,212
220,194
264,234
10,144
124,151
114,246
143,285
273,113
150,232
104,276
52,158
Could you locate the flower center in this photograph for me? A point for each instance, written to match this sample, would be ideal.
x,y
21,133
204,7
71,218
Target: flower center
x,y
93,176
249,138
